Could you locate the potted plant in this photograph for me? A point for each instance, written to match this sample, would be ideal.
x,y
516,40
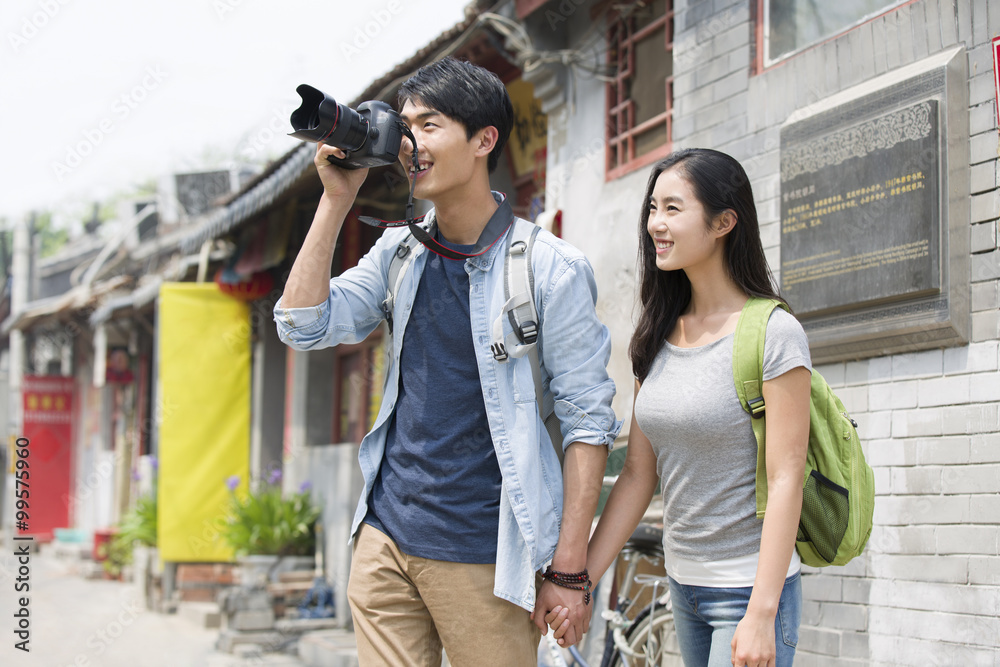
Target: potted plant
x,y
133,541
270,531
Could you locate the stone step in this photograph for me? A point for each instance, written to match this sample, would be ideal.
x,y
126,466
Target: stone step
x,y
304,625
266,641
254,660
328,648
202,614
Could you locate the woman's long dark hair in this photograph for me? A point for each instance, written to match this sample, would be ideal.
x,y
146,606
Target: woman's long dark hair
x,y
720,184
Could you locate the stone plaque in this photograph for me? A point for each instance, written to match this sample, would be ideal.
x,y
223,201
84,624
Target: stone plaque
x,y
859,212
874,213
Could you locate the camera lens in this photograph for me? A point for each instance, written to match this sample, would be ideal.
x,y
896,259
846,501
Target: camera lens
x,y
321,118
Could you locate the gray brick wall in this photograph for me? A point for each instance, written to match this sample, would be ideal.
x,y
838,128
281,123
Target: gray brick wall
x,y
928,589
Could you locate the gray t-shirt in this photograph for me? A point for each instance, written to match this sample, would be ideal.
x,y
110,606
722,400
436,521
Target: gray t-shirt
x,y
705,450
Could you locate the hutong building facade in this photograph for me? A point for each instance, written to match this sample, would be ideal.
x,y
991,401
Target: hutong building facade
x,y
869,131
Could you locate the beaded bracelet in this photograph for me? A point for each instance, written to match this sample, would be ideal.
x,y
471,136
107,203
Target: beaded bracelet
x,y
577,581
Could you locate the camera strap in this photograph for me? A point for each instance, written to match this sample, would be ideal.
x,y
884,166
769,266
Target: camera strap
x,y
487,238
495,228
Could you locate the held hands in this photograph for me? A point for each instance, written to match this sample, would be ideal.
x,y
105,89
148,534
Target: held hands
x,y
558,620
563,610
338,183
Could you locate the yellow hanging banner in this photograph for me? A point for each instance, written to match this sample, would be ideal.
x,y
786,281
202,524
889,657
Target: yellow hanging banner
x,y
203,416
529,136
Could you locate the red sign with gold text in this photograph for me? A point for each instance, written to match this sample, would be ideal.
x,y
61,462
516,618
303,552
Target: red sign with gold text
x,y
48,426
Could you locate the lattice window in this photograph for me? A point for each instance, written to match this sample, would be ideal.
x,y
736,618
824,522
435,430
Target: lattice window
x,y
640,99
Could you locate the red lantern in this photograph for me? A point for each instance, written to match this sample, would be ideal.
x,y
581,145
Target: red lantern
x,y
254,287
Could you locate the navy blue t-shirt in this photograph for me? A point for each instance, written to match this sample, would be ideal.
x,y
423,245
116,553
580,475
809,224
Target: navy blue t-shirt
x,y
437,492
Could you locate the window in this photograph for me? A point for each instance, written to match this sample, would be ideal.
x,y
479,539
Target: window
x,y
358,379
319,371
790,26
352,394
639,100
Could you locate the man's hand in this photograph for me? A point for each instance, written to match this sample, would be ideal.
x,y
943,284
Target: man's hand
x,y
308,282
566,605
583,471
338,183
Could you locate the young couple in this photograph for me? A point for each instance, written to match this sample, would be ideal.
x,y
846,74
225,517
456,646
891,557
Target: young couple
x,y
468,535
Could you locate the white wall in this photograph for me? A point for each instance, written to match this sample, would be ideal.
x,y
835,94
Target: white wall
x,y
94,466
599,219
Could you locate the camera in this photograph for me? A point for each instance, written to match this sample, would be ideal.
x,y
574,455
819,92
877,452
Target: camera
x,y
370,136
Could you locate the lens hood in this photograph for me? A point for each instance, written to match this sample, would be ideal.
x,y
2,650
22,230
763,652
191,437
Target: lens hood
x,y
321,118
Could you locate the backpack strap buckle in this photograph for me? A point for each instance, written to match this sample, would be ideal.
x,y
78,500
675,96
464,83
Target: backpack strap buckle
x,y
400,261
499,351
529,332
387,312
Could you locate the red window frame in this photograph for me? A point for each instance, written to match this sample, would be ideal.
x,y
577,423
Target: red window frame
x,y
526,7
759,66
620,157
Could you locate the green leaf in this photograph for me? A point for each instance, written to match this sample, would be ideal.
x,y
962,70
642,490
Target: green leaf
x,y
266,522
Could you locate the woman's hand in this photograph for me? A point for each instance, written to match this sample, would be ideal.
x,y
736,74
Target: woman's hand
x,y
753,643
558,620
561,604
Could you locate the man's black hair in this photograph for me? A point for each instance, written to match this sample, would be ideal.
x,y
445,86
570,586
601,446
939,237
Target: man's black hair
x,y
467,93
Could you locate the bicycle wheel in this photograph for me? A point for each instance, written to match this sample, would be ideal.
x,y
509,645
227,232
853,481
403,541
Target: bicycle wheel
x,y
555,656
651,646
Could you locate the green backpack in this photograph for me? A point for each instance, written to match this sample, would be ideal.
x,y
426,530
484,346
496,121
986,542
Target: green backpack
x,y
838,494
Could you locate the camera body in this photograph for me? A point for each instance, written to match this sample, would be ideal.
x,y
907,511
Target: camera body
x,y
370,136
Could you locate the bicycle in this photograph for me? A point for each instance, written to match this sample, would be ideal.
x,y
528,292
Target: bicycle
x,y
639,633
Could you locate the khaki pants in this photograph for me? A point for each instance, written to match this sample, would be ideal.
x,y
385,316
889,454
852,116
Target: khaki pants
x,y
406,608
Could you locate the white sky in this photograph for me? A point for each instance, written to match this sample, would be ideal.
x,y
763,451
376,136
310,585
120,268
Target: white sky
x,y
98,96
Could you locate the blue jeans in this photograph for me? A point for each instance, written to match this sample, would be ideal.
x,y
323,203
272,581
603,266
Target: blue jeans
x,y
705,619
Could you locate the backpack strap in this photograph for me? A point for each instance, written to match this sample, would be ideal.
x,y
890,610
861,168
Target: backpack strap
x,y
748,376
398,266
546,405
519,290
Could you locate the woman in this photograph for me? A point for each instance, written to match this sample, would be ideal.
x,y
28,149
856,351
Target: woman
x,y
734,580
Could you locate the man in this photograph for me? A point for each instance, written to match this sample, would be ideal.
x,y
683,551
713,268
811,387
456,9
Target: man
x,y
463,496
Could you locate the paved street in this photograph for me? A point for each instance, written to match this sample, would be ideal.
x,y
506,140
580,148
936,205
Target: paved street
x,y
80,622
88,623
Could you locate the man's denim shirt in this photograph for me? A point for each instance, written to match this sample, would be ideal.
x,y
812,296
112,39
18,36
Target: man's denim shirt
x,y
574,348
